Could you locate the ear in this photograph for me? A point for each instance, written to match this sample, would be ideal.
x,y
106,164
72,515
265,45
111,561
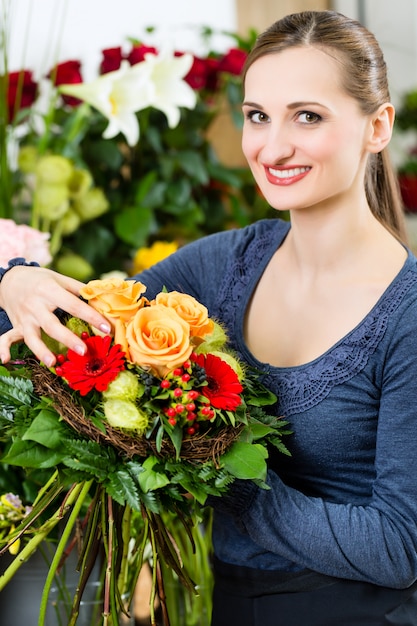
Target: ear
x,y
380,130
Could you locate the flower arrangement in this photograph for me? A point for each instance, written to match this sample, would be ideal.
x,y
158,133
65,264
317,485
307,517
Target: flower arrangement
x,y
153,419
112,165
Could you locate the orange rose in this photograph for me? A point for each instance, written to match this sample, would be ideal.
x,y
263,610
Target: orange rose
x,y
189,309
115,298
158,338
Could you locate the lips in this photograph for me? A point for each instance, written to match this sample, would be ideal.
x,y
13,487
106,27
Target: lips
x,y
286,176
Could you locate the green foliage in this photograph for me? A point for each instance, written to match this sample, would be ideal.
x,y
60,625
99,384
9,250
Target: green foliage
x,y
170,186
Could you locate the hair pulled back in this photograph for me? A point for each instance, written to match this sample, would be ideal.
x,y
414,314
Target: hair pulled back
x,y
364,78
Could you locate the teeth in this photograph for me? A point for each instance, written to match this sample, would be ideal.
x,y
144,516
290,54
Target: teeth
x,y
288,173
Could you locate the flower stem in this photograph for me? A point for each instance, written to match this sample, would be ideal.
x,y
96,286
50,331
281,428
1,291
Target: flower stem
x,y
77,495
33,544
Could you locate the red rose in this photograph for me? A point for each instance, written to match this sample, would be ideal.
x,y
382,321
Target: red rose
x,y
233,61
137,54
67,73
203,73
112,58
21,92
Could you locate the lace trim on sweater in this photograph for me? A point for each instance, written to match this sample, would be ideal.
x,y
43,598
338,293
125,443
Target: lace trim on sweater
x,y
302,387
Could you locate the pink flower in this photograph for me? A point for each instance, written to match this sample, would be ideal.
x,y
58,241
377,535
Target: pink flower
x,y
23,241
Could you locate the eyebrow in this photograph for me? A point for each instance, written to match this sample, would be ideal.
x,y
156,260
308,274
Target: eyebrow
x,y
293,105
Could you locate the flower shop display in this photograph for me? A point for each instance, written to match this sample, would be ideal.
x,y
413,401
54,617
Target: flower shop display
x,y
406,131
112,165
132,438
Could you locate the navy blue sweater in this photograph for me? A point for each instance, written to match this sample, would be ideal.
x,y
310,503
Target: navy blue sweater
x,y
345,503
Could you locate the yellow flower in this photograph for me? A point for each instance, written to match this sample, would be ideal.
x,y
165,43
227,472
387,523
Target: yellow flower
x,y
115,298
146,257
189,309
158,338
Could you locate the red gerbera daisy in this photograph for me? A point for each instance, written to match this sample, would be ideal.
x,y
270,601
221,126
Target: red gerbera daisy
x,y
223,386
96,369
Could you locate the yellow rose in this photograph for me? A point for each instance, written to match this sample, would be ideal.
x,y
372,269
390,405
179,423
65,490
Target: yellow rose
x,y
146,257
158,338
189,309
115,298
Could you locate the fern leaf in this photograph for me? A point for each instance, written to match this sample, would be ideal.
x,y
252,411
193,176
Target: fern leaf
x,y
15,391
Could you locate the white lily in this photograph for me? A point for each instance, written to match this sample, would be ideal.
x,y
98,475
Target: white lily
x,y
117,95
170,90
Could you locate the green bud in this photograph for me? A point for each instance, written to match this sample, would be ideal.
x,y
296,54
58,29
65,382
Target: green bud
x,y
125,387
92,204
215,341
125,414
54,169
234,363
52,344
27,159
77,326
80,182
73,265
51,201
70,222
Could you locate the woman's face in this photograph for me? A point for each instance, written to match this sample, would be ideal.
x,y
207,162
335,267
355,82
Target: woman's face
x,y
304,138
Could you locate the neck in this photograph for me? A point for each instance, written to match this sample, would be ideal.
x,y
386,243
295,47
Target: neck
x,y
327,241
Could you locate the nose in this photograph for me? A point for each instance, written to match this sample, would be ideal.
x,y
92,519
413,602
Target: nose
x,y
278,144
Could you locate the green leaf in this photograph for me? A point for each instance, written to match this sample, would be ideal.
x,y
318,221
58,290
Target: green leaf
x,y
133,225
175,434
47,429
90,457
122,488
17,391
32,454
260,430
194,166
245,460
149,479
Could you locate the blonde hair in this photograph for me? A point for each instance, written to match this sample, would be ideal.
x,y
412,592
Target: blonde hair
x,y
364,78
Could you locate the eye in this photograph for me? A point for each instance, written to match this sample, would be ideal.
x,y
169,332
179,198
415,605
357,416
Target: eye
x,y
257,117
308,117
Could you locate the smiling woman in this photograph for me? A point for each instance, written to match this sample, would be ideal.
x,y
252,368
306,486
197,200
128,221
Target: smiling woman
x,y
325,306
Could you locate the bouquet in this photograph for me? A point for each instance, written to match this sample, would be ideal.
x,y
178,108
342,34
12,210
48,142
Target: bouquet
x,y
154,418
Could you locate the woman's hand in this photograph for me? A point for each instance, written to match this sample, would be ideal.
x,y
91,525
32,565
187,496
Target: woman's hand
x,y
30,295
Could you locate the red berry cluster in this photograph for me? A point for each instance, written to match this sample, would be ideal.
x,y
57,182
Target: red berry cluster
x,y
187,406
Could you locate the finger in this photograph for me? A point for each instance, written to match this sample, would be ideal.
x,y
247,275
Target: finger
x,y
6,341
78,308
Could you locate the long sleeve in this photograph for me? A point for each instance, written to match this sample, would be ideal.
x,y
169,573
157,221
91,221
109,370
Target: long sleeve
x,y
371,537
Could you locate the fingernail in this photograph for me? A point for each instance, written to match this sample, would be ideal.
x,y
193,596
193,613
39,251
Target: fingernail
x,y
80,349
48,360
105,328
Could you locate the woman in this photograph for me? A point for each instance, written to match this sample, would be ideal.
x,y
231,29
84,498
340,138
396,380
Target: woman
x,y
326,306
